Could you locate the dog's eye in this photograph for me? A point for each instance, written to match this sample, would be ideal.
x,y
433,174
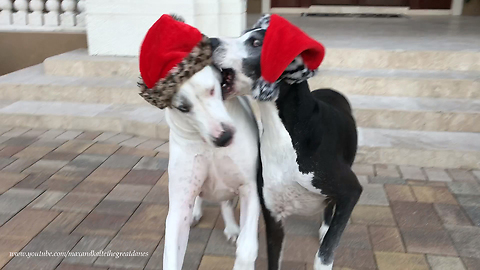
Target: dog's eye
x,y
257,43
183,108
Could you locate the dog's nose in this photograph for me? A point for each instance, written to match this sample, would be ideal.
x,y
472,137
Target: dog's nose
x,y
215,42
225,138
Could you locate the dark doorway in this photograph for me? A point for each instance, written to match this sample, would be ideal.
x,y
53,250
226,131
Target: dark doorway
x,y
362,2
430,4
413,4
291,3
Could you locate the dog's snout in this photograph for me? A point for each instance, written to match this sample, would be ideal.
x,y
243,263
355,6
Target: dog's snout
x,y
215,42
225,137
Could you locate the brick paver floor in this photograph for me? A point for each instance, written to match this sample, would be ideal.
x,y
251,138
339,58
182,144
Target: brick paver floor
x,y
82,191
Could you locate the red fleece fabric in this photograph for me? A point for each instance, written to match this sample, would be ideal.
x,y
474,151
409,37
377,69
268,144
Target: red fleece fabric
x,y
166,44
282,43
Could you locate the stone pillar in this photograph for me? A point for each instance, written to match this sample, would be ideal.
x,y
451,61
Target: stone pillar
x,y
457,7
233,17
117,27
266,6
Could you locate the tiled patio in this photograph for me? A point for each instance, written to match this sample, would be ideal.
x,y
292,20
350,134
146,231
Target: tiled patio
x,y
82,191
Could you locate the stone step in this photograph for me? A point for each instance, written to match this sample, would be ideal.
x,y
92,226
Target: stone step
x,y
402,83
138,120
429,114
79,64
420,148
32,84
413,113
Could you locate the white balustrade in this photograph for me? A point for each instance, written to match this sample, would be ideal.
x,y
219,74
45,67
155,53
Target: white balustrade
x,y
52,18
81,14
36,17
68,16
42,15
6,7
21,16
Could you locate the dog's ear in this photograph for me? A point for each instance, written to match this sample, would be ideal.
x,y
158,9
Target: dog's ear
x,y
263,22
177,17
297,72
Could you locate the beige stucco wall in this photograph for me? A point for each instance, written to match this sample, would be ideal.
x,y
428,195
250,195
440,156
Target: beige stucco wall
x,y
254,6
23,49
472,8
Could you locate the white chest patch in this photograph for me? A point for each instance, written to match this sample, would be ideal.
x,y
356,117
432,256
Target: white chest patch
x,y
223,180
286,190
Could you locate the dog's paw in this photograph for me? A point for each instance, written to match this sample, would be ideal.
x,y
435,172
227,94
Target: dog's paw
x,y
318,265
231,233
196,219
244,265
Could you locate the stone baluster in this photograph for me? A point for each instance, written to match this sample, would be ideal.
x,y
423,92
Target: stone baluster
x,y
80,20
36,17
6,7
21,16
52,18
67,19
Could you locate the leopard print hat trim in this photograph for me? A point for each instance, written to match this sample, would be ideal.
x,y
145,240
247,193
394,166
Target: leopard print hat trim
x,y
162,93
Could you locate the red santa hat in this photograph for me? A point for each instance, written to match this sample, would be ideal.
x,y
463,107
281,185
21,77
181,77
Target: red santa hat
x,y
171,53
287,53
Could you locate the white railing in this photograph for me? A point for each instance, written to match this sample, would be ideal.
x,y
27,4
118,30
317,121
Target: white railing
x,y
42,15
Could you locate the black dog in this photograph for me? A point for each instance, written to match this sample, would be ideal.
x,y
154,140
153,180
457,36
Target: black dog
x,y
308,146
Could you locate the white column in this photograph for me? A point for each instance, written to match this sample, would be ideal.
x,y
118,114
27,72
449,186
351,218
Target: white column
x,y
207,18
36,17
67,18
52,18
266,6
80,19
457,7
117,27
233,17
21,16
6,14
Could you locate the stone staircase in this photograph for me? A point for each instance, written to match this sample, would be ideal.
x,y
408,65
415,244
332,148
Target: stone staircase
x,y
412,107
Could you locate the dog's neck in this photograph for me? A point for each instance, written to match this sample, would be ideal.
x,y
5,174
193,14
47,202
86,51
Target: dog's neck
x,y
181,129
300,115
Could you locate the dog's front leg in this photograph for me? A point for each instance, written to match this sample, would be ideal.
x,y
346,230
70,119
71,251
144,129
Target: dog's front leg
x,y
231,230
186,178
247,243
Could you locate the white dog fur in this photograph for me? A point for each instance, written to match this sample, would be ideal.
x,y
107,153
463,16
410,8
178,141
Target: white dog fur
x,y
199,170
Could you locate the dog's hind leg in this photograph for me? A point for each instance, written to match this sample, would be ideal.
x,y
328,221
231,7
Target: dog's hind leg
x,y
273,228
247,243
197,212
345,200
231,230
327,219
275,239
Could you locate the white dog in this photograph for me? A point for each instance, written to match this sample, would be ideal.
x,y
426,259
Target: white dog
x,y
213,156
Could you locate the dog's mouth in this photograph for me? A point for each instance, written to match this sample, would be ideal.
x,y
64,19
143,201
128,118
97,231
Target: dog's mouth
x,y
228,79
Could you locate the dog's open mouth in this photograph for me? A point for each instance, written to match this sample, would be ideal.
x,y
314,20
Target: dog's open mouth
x,y
228,77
